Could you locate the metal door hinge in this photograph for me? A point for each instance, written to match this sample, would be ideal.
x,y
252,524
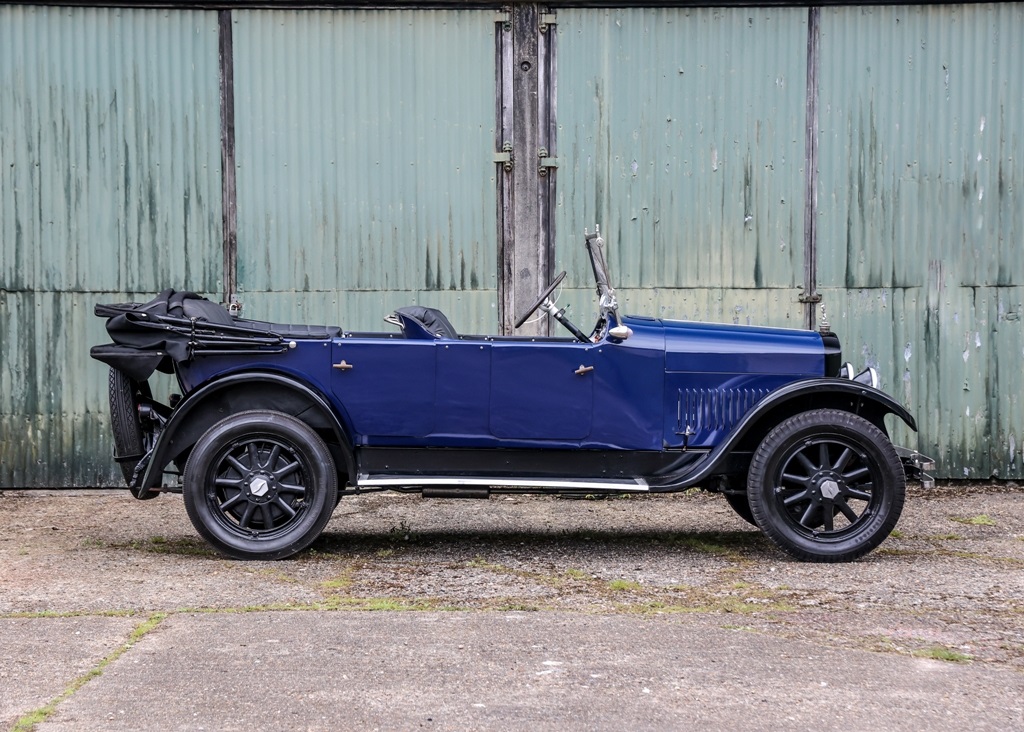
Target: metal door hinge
x,y
546,161
812,298
505,157
505,18
547,19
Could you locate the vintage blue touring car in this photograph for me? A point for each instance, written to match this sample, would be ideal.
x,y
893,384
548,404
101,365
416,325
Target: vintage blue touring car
x,y
276,423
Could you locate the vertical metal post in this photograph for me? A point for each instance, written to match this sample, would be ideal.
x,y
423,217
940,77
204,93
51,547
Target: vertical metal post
x,y
547,140
229,199
505,69
524,256
811,297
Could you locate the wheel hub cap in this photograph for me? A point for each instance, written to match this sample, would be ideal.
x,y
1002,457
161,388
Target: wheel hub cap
x,y
259,487
829,489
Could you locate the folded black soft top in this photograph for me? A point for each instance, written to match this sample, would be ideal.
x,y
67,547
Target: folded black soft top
x,y
175,326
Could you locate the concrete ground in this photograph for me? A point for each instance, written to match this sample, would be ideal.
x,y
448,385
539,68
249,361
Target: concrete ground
x,y
522,613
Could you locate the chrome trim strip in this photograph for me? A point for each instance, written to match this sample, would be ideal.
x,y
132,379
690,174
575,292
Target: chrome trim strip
x,y
634,485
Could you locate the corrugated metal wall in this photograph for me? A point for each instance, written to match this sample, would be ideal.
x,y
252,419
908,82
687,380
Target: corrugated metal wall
x,y
109,190
365,178
681,131
921,217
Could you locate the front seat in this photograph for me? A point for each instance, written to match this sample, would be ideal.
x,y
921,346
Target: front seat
x,y
432,320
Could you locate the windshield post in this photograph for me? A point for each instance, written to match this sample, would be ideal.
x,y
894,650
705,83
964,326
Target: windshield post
x,y
607,302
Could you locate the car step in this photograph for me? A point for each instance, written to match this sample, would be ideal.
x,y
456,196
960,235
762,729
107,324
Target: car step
x,y
447,486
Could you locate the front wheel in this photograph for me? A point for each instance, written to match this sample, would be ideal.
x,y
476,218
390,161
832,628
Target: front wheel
x,y
260,485
826,486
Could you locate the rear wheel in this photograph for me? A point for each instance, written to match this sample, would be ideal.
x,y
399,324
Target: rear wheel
x,y
260,485
826,486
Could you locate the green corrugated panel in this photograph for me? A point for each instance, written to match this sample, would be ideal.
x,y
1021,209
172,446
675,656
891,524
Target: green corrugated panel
x,y
364,158
681,131
921,216
109,185
921,147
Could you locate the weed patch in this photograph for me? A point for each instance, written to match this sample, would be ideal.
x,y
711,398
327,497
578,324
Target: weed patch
x,y
941,653
980,520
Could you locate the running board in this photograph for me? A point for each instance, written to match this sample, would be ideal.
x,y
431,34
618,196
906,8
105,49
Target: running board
x,y
608,485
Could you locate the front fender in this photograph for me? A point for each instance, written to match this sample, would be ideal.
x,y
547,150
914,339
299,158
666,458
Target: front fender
x,y
853,396
232,394
799,396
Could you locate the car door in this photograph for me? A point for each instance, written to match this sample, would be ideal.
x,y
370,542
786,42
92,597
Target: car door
x,y
386,385
541,390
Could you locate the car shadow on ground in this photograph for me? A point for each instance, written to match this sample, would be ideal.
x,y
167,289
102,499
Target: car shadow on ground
x,y
408,542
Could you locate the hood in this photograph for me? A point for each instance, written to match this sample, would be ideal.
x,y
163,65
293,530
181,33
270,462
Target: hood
x,y
744,349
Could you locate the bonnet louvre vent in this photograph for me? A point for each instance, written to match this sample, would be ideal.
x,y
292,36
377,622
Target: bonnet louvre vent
x,y
701,411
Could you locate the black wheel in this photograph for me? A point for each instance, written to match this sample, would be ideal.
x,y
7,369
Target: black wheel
x,y
125,396
741,505
826,486
260,485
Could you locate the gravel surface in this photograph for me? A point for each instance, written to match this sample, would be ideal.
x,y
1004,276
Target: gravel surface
x,y
947,585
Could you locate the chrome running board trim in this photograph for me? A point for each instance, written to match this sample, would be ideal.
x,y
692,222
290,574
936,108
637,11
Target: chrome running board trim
x,y
637,485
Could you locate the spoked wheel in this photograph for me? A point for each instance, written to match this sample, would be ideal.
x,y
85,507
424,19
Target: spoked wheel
x,y
826,486
260,485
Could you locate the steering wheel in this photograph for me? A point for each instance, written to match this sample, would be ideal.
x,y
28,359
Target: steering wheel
x,y
540,300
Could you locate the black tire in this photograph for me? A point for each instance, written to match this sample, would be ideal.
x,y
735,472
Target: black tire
x,y
125,397
260,485
826,486
741,505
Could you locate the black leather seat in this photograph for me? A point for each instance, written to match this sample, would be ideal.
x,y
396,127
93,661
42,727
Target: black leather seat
x,y
431,320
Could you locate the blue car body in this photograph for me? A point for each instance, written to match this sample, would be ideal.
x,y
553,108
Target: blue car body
x,y
639,405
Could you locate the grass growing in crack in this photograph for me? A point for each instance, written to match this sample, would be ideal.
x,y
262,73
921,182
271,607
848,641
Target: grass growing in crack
x,y
521,607
576,574
30,721
389,604
621,585
980,520
708,605
941,653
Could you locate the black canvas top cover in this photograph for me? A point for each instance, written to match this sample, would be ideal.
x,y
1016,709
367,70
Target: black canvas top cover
x,y
142,341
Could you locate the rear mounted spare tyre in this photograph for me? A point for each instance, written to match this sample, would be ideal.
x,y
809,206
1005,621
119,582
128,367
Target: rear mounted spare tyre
x,y
125,396
260,485
826,486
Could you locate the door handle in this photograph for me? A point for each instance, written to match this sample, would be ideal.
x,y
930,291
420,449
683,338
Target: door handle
x,y
344,366
584,370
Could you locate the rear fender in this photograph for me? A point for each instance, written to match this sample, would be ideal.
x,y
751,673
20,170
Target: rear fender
x,y
239,392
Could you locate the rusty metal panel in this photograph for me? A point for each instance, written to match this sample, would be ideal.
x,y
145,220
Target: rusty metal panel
x,y
681,131
365,173
920,219
109,149
109,190
921,144
952,355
